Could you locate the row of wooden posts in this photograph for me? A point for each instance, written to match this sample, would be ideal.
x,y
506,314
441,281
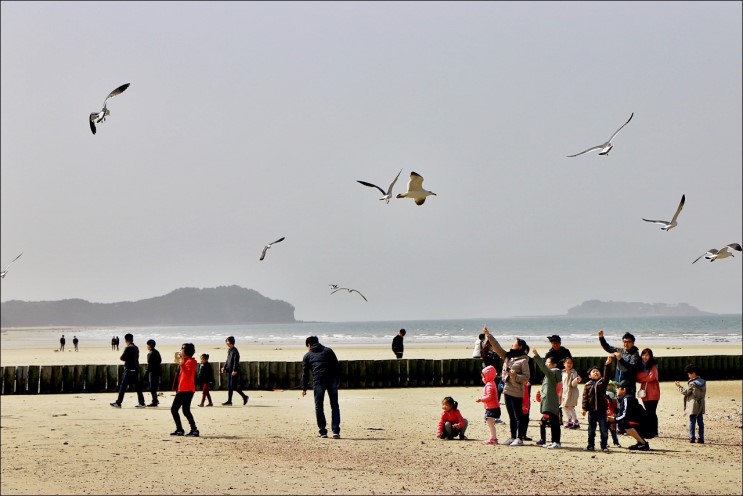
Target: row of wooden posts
x,y
355,374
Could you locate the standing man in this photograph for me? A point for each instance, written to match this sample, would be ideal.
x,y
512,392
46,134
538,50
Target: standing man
x,y
154,370
397,345
325,377
61,343
75,341
232,369
628,360
558,352
130,357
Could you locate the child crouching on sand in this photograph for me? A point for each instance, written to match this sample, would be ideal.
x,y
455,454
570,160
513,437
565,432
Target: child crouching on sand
x,y
451,422
489,399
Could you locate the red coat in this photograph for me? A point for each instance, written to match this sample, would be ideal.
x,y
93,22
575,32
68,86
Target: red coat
x,y
453,416
649,382
187,376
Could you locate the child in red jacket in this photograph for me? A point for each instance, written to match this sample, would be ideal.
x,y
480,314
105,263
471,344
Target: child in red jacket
x,y
451,422
489,399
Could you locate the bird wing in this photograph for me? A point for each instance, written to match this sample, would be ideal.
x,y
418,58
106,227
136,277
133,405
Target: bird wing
x,y
92,123
265,249
597,147
613,135
678,210
709,253
662,222
359,292
734,246
416,182
372,186
277,241
338,289
11,262
392,184
722,250
117,91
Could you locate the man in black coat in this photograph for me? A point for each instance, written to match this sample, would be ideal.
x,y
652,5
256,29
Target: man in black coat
x,y
558,352
397,344
130,357
154,370
325,378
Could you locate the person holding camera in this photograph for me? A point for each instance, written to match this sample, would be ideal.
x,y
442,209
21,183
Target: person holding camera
x,y
185,390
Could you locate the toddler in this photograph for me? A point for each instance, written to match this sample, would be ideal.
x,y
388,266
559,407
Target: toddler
x,y
611,412
570,393
451,422
206,377
694,396
489,399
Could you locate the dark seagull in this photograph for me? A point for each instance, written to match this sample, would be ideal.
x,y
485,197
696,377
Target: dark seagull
x,y
265,248
667,226
5,270
606,147
723,252
98,117
385,195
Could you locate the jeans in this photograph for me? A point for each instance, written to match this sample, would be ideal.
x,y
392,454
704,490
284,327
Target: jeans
x,y
554,422
518,421
130,377
696,420
154,384
183,400
233,384
450,431
335,421
599,418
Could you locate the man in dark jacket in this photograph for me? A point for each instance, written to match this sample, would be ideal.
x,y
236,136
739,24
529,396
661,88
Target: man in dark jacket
x,y
557,351
130,357
325,377
397,344
232,369
154,370
628,359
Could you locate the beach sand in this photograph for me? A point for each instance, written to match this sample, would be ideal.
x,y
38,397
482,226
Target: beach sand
x,y
78,444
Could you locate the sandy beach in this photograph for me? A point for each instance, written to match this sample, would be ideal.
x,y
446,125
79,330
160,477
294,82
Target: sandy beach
x,y
78,444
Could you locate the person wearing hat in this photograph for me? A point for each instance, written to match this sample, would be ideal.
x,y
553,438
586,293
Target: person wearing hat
x,y
629,415
558,352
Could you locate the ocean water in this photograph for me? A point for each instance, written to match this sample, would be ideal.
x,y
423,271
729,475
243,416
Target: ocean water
x,y
710,329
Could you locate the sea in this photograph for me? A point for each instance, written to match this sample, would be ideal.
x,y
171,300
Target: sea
x,y
707,329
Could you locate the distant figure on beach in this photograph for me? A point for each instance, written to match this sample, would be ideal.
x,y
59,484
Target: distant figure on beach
x,y
451,422
557,351
154,371
549,405
628,359
326,373
75,341
113,343
232,369
117,342
490,401
477,350
61,343
185,390
206,378
694,402
130,357
397,345
649,392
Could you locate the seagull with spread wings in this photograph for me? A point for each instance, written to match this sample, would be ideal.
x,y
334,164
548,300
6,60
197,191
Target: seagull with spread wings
x,y
606,147
5,270
334,289
415,189
98,117
385,195
723,252
667,226
265,248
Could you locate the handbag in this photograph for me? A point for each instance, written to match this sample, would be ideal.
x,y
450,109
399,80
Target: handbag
x,y
642,393
525,403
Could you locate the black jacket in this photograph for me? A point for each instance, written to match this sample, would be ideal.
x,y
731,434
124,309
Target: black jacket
x,y
154,363
397,344
324,365
558,356
232,364
206,373
130,357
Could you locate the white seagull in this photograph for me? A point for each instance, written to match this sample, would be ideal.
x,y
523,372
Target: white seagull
x,y
723,252
265,248
415,189
335,289
667,226
98,117
606,147
386,195
5,270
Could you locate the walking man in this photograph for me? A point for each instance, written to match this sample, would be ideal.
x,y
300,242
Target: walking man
x,y
325,377
154,370
232,369
130,357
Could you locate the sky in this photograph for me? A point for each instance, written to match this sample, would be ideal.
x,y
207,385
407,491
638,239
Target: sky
x,y
246,122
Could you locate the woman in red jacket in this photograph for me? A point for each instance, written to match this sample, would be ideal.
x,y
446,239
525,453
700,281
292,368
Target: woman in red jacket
x,y
451,422
647,376
185,391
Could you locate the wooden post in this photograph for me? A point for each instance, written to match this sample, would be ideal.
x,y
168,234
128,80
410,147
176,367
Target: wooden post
x,y
21,380
273,376
45,385
34,377
9,380
78,378
68,380
264,376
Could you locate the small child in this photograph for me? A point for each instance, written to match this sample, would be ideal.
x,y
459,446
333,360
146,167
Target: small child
x,y
595,405
611,412
489,399
570,394
451,422
694,396
547,397
206,377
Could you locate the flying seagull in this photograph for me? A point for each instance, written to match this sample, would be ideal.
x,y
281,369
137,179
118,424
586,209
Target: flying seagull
x,y
335,289
606,147
265,248
723,252
98,117
415,189
5,270
667,226
386,195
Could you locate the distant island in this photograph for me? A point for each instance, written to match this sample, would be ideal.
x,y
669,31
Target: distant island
x,y
223,305
596,308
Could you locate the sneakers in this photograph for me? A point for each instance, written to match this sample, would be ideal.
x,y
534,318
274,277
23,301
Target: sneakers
x,y
153,404
177,432
324,436
462,437
692,440
517,442
554,446
640,447
490,441
541,442
605,450
499,421
210,404
336,436
201,405
617,445
527,438
193,433
588,448
115,405
142,405
569,425
700,441
575,426
245,399
509,441
226,403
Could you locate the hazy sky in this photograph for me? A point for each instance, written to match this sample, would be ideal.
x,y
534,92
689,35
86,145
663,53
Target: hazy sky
x,y
245,122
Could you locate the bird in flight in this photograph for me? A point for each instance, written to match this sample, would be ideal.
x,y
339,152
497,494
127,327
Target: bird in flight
x,y
335,288
415,189
385,195
98,117
667,226
5,270
265,248
723,252
606,147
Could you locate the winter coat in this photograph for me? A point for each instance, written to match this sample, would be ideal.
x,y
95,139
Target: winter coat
x,y
154,363
594,394
549,402
232,364
628,362
489,396
570,391
454,416
324,364
519,364
648,379
694,396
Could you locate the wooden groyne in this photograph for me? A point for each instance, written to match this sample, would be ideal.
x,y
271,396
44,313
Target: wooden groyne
x,y
355,374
